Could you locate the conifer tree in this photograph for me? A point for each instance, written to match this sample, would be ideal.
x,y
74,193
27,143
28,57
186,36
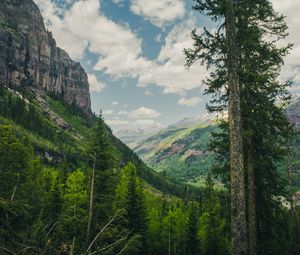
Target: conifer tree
x,y
103,160
192,243
208,53
130,198
212,226
262,98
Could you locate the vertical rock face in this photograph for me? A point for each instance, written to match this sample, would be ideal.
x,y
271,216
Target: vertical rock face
x,y
29,56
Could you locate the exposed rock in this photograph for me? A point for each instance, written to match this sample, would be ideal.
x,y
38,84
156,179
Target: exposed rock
x,y
29,56
47,111
293,114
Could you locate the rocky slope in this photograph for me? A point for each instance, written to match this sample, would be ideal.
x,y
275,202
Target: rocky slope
x,y
293,113
29,56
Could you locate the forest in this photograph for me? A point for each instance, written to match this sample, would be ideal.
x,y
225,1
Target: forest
x,y
68,186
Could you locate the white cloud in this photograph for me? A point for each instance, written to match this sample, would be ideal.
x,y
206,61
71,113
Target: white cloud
x,y
120,50
108,112
159,12
95,85
190,102
144,113
290,8
118,2
116,122
123,113
62,28
146,123
115,103
148,92
169,71
83,26
158,38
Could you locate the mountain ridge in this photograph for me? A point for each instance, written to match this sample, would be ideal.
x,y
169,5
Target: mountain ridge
x,y
181,149
29,56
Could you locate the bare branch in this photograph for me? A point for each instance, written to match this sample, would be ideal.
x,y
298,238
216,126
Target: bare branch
x,y
7,250
100,232
113,244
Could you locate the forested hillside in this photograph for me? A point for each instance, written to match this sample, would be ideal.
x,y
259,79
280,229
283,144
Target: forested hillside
x,y
182,150
181,153
48,151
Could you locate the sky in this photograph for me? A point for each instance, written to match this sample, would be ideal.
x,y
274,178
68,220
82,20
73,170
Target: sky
x,y
132,51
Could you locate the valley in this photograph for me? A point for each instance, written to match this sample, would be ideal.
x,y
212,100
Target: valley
x,y
86,165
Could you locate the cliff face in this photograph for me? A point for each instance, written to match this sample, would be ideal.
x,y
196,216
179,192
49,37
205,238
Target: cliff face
x,y
29,56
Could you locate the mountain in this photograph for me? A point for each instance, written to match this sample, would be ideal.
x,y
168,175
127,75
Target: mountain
x,y
44,96
132,136
293,113
181,151
208,118
29,56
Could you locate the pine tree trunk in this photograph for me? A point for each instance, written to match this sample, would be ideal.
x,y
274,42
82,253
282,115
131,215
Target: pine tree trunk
x,y
238,211
91,204
251,199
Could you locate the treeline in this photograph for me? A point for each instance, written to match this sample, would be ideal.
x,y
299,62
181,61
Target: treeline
x,y
19,107
245,55
100,209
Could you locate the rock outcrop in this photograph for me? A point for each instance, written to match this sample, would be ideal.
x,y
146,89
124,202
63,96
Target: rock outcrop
x,y
29,56
293,114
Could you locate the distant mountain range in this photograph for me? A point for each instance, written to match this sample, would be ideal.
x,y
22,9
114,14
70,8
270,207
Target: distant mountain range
x,y
181,149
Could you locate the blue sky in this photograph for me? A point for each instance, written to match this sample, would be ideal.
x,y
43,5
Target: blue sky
x,y
132,52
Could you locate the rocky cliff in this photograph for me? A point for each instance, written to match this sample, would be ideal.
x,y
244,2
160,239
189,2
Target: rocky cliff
x,y
29,56
293,113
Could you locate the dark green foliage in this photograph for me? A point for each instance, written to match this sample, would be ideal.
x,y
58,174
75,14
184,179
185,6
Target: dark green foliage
x,y
49,212
212,226
192,242
103,156
263,100
31,117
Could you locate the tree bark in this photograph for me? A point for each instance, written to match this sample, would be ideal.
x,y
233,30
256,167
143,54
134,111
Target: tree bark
x,y
91,204
252,235
238,211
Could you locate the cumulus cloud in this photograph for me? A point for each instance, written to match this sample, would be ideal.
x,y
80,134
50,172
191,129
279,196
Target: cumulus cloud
x,y
169,71
95,85
83,27
144,113
108,112
146,123
190,102
116,122
62,28
123,113
118,2
158,12
290,8
115,103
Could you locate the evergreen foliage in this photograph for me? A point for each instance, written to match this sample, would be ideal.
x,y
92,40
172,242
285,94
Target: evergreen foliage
x,y
266,132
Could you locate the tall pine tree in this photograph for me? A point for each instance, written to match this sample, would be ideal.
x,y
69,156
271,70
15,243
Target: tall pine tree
x,y
265,129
